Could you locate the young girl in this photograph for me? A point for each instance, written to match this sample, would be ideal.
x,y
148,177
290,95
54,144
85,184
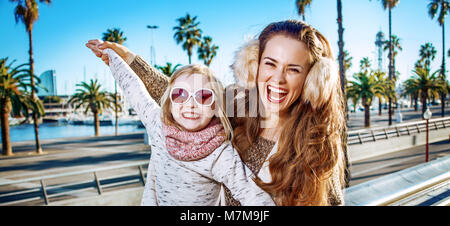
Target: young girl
x,y
190,141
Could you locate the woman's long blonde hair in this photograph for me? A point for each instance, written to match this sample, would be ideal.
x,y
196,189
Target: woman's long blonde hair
x,y
310,147
216,86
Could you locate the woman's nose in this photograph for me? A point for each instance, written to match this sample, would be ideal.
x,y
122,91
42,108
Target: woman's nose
x,y
279,75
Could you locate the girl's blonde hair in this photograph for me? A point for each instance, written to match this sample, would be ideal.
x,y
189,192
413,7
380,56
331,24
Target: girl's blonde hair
x,y
216,86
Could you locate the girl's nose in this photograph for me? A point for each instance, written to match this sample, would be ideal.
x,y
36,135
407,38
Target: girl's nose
x,y
190,103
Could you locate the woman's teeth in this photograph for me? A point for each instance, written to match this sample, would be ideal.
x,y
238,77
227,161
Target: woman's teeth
x,y
275,94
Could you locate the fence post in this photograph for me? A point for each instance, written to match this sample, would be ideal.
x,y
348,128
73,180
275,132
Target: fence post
x,y
407,129
373,136
385,133
44,191
398,133
142,175
99,188
359,137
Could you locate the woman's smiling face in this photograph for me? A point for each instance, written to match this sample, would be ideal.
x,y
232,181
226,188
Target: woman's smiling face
x,y
282,71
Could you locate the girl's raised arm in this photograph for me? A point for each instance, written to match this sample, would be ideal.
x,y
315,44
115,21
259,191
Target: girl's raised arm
x,y
155,82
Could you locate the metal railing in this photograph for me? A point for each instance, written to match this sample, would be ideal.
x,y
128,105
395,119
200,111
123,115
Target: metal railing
x,y
403,187
404,129
58,191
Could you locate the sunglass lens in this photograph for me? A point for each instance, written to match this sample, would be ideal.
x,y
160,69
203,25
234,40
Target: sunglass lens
x,y
179,95
204,97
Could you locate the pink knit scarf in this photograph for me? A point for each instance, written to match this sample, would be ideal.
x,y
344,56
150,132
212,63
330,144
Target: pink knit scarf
x,y
191,146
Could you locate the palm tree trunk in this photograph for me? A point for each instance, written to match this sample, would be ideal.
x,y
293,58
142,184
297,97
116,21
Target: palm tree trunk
x,y
96,123
6,142
424,103
415,103
366,115
115,110
379,106
390,65
33,94
341,46
442,94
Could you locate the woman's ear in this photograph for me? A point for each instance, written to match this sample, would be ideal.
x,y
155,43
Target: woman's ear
x,y
245,64
322,78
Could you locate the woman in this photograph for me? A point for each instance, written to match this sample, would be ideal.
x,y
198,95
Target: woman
x,y
293,132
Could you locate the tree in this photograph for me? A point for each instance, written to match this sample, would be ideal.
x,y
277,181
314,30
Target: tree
x,y
167,69
115,35
301,7
389,5
207,51
382,79
427,54
341,56
364,87
395,47
27,12
428,85
14,83
91,99
410,89
443,7
187,33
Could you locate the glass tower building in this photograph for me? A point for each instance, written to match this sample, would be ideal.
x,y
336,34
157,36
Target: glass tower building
x,y
48,80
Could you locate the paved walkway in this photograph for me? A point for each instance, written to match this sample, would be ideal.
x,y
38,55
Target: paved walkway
x,y
356,119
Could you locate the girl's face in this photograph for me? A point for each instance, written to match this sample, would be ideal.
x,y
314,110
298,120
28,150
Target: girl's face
x,y
282,72
191,115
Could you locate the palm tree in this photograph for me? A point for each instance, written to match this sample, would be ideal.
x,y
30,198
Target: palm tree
x,y
390,4
443,7
14,83
301,7
364,87
427,54
187,33
381,78
410,89
428,85
91,98
27,12
207,51
341,56
395,47
115,35
347,61
167,69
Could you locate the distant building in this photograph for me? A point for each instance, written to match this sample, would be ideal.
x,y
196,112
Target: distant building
x,y
48,80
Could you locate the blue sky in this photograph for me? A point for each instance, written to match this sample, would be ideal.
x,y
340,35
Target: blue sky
x,y
66,25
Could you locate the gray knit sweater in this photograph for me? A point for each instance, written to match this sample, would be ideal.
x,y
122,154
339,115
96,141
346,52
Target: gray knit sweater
x,y
174,182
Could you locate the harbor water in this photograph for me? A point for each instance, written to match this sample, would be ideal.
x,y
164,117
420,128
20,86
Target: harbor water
x,y
54,130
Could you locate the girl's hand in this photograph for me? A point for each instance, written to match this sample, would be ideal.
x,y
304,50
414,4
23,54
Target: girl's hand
x,y
97,46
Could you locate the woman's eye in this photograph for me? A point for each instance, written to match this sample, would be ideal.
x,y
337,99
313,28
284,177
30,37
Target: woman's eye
x,y
270,64
294,70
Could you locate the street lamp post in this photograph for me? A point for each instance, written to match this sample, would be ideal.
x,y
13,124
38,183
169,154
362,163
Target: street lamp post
x,y
427,115
152,50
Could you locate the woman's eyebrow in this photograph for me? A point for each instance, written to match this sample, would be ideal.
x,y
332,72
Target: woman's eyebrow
x,y
269,58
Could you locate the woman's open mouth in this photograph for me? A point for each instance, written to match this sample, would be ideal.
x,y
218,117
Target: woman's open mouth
x,y
190,115
276,94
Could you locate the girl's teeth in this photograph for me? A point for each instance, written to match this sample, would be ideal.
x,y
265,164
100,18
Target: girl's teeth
x,y
190,115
